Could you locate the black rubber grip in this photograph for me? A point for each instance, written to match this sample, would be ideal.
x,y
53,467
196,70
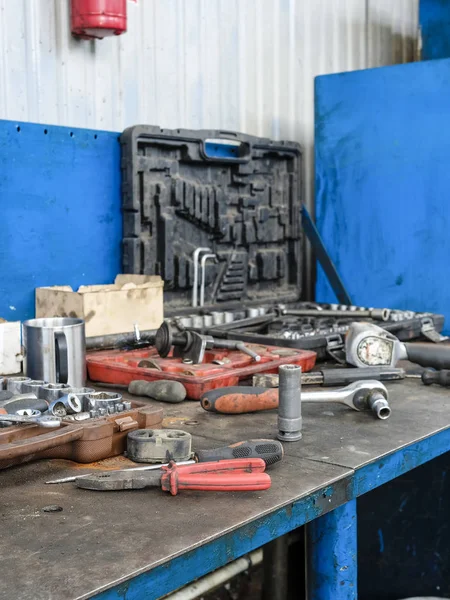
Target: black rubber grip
x,y
346,376
430,376
271,451
429,355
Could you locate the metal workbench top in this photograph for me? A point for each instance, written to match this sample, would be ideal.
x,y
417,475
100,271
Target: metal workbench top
x,y
100,539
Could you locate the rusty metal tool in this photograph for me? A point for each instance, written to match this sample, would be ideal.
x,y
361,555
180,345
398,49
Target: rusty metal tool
x,y
237,475
192,345
330,377
360,395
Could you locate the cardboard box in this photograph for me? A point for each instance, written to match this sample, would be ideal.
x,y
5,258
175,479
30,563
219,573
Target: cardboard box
x,y
10,348
107,309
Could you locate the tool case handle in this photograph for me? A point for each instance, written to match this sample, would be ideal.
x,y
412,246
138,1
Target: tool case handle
x,y
20,446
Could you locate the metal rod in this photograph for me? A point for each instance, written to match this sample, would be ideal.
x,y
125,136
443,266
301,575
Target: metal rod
x,y
195,256
205,257
219,577
331,555
100,342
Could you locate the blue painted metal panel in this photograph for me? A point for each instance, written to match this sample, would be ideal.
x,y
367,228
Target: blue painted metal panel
x,y
332,555
434,21
183,569
393,465
60,211
383,181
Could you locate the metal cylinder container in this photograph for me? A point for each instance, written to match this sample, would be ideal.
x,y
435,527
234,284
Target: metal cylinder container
x,y
228,317
55,350
289,403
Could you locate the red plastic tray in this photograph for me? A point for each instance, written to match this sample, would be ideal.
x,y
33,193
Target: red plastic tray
x,y
121,367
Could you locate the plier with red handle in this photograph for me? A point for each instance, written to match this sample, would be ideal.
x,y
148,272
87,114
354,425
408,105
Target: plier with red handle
x,y
236,475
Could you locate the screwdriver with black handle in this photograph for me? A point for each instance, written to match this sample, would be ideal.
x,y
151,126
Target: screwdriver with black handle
x,y
271,451
430,376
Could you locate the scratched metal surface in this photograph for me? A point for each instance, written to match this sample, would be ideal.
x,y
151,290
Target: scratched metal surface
x,y
335,434
109,538
101,538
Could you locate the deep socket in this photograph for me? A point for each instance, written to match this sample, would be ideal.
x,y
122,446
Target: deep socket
x,y
289,403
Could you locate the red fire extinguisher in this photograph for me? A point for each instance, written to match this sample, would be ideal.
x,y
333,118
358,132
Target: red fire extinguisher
x,y
96,19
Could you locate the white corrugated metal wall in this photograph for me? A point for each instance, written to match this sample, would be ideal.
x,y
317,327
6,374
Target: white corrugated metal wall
x,y
244,65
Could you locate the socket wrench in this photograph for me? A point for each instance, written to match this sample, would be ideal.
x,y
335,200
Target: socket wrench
x,y
367,345
360,395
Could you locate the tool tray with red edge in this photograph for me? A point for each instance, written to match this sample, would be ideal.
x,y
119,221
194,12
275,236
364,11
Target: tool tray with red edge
x,y
220,367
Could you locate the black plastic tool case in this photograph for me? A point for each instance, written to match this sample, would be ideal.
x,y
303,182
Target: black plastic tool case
x,y
236,194
240,196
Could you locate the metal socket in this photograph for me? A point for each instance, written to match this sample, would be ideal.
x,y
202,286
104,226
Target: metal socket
x,y
65,405
197,321
207,320
289,403
82,393
32,386
15,384
52,391
218,318
379,405
99,400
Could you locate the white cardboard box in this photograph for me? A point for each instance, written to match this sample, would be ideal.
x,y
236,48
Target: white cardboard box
x,y
107,309
10,348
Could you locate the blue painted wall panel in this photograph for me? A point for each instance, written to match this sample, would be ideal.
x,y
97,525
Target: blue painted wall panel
x,y
383,184
434,20
60,219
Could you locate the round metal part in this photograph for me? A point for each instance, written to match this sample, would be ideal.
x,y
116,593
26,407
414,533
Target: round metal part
x,y
197,321
28,412
98,400
159,445
228,317
218,317
163,340
82,394
252,312
207,320
32,386
52,391
5,395
15,384
289,403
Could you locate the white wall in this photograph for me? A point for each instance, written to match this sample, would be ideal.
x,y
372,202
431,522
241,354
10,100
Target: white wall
x,y
244,65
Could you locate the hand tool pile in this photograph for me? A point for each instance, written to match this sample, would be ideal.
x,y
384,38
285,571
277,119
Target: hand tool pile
x,y
371,354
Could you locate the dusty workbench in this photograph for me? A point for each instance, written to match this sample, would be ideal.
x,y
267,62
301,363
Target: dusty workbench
x,y
144,544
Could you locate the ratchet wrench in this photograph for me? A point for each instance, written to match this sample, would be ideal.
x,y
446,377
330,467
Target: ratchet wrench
x,y
360,395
